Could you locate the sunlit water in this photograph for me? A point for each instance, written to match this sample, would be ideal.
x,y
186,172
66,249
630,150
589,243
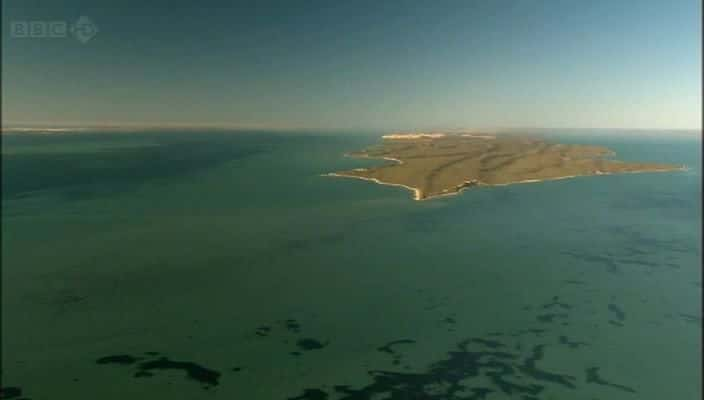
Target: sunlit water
x,y
224,266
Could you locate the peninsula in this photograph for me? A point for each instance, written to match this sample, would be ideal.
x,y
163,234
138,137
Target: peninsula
x,y
439,164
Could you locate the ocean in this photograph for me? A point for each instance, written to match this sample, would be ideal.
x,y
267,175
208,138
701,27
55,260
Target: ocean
x,y
223,265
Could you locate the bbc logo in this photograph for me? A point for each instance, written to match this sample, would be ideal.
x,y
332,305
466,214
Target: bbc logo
x,y
83,30
39,29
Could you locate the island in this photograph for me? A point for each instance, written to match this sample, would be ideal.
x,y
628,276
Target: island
x,y
438,164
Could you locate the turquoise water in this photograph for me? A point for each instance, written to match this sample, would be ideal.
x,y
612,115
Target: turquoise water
x,y
224,266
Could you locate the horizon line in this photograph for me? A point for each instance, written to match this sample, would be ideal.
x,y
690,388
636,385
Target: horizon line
x,y
65,127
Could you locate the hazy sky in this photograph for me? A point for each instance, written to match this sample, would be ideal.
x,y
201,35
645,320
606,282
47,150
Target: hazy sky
x,y
359,64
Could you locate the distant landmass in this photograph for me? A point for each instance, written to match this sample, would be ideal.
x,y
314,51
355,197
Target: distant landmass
x,y
439,164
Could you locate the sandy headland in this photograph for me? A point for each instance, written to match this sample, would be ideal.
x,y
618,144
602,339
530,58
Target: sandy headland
x,y
439,164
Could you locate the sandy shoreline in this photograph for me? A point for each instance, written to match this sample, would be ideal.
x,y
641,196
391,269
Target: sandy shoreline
x,y
372,158
417,194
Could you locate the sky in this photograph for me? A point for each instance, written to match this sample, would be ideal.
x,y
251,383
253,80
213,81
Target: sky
x,y
388,65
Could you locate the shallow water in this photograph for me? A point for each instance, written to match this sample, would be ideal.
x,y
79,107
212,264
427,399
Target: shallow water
x,y
223,265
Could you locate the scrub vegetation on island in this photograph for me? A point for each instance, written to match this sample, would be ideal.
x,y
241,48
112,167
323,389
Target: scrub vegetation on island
x,y
439,164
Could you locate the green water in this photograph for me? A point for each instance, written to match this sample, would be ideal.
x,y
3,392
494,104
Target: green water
x,y
254,277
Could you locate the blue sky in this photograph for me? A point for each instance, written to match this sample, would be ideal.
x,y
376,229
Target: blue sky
x,y
359,64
